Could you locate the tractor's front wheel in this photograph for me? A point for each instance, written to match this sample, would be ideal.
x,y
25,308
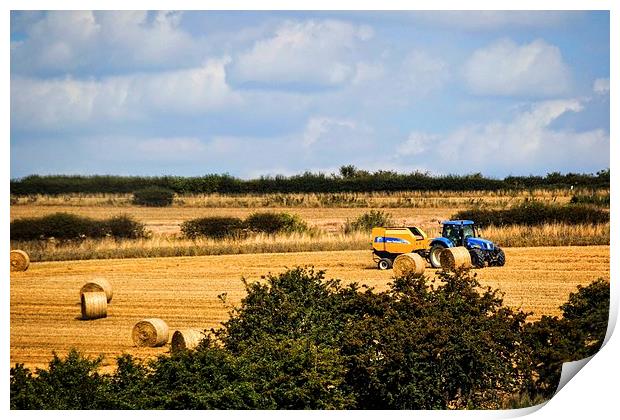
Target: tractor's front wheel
x,y
477,257
433,257
500,258
384,264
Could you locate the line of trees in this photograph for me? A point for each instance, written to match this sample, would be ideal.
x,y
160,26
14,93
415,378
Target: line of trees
x,y
349,179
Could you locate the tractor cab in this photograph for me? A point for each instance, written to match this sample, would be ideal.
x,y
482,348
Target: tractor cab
x,y
463,233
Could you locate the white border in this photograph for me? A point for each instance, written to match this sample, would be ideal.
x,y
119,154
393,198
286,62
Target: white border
x,y
592,393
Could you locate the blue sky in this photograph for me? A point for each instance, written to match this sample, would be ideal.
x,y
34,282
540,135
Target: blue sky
x,y
258,93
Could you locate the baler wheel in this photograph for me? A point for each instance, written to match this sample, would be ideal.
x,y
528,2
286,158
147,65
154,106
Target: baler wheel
x,y
384,264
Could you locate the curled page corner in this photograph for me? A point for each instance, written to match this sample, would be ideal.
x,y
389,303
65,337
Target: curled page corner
x,y
569,370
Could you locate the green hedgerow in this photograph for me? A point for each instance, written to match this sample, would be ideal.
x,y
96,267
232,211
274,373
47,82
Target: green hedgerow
x,y
153,197
213,227
269,222
67,226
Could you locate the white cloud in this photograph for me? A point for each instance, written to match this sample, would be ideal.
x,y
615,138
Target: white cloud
x,y
601,86
61,41
317,53
505,68
527,144
494,19
169,148
69,102
317,128
417,144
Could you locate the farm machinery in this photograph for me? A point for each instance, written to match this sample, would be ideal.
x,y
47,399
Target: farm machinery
x,y
390,242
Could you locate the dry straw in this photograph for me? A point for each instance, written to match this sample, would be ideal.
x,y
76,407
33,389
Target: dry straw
x,y
457,257
186,339
151,332
411,263
19,260
94,305
98,284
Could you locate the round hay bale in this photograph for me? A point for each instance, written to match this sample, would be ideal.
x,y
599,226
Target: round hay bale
x,y
151,332
185,339
411,263
19,260
94,305
457,257
98,284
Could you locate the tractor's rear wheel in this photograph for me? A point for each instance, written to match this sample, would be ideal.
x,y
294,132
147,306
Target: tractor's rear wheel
x,y
433,256
384,264
500,258
477,257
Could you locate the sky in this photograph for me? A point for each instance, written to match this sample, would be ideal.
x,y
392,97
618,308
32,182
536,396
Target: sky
x,y
265,93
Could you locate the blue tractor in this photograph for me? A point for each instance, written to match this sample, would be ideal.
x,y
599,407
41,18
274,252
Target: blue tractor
x,y
465,233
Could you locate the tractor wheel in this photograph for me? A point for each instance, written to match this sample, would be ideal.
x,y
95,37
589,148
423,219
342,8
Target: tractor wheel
x,y
500,258
477,257
384,264
433,256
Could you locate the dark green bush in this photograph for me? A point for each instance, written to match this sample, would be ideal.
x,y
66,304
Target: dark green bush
x,y
299,341
153,197
69,384
123,226
533,213
367,221
597,200
271,223
213,227
70,226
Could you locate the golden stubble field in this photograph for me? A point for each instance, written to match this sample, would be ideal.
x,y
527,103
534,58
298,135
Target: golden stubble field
x,y
184,292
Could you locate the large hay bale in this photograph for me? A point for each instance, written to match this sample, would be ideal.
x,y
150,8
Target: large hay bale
x,y
94,305
186,339
19,260
457,257
98,284
151,332
411,263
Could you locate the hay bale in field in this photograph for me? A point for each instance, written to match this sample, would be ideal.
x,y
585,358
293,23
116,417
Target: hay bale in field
x,y
98,284
185,339
411,263
19,260
94,305
457,257
151,332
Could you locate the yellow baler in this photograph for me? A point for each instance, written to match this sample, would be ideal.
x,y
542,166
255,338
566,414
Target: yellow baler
x,y
390,242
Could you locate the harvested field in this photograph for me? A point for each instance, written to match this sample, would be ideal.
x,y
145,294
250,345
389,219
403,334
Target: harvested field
x,y
45,308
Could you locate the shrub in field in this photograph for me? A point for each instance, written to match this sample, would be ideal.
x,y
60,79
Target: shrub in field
x,y
153,197
68,384
268,222
597,200
70,226
534,213
367,221
123,226
299,341
213,227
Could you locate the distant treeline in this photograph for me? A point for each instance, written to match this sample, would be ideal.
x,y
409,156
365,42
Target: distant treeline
x,y
350,179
